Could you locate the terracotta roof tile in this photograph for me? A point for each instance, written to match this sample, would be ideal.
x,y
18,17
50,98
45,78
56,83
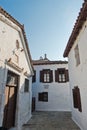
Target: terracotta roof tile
x,y
77,27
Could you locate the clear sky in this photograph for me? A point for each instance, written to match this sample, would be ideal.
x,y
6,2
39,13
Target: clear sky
x,y
48,23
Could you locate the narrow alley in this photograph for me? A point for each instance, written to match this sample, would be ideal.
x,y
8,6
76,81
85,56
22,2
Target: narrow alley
x,y
51,121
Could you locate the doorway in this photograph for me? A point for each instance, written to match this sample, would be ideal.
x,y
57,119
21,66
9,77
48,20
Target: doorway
x,y
10,100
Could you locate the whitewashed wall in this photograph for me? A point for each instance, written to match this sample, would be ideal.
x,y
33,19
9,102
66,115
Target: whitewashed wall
x,y
9,33
78,77
58,93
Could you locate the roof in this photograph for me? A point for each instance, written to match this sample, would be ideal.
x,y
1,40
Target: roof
x,y
77,27
48,62
2,11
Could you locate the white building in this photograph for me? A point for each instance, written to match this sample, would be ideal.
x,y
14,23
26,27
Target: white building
x,y
51,85
15,73
76,51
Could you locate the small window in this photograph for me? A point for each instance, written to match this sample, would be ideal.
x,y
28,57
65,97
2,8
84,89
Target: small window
x,y
46,76
77,57
11,79
26,86
43,97
77,99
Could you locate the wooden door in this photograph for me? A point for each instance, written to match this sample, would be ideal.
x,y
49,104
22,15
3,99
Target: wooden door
x,y
10,100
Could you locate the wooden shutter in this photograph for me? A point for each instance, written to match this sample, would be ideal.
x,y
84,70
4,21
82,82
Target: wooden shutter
x,y
67,75
42,76
75,102
56,76
34,77
79,99
51,76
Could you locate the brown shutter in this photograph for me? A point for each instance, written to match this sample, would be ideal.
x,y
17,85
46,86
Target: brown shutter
x,y
51,76
79,99
75,102
56,76
42,76
67,75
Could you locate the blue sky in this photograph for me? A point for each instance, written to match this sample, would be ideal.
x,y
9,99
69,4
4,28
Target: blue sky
x,y
48,23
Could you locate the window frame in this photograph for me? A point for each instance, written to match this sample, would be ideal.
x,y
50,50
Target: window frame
x,y
57,74
46,76
43,96
26,87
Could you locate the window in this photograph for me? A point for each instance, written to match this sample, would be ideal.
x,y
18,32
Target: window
x,y
77,99
26,87
12,79
61,75
34,77
43,96
46,76
77,55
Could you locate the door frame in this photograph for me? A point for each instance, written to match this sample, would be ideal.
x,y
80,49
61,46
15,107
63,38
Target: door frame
x,y
16,94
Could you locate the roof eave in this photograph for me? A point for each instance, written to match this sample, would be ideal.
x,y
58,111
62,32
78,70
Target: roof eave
x,y
77,27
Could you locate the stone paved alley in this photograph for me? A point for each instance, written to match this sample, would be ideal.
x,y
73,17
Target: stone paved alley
x,y
51,121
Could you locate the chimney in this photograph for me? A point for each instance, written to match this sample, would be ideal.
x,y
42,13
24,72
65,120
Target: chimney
x,y
45,56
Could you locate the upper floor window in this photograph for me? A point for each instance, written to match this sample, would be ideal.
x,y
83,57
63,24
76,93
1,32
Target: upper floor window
x,y
61,75
34,76
77,57
26,86
46,76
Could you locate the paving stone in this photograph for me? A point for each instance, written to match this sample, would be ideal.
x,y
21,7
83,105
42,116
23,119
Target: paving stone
x,y
51,121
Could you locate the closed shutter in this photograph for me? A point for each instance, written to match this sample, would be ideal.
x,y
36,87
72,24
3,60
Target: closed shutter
x,y
75,101
56,76
67,75
41,76
79,100
51,76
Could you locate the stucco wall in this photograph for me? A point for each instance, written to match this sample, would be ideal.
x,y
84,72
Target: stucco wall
x,y
58,93
9,33
78,76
